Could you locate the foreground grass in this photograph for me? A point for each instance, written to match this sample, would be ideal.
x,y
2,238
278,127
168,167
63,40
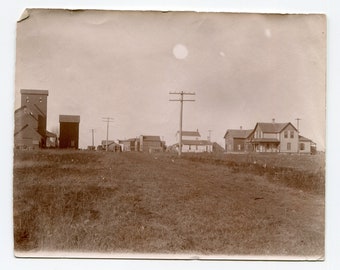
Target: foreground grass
x,y
134,202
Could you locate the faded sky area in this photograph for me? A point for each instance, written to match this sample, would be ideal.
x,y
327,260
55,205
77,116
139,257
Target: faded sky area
x,y
244,68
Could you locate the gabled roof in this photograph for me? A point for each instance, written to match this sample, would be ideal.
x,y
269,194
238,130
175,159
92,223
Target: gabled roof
x,y
273,127
109,142
127,140
304,139
151,138
50,134
217,147
190,133
238,133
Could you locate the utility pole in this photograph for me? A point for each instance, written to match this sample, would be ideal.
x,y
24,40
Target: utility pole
x,y
209,138
181,100
92,130
298,122
108,120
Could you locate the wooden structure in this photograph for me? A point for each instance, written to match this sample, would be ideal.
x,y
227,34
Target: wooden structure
x,y
69,131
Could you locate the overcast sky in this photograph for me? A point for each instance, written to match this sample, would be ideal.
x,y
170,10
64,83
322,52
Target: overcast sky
x,y
244,68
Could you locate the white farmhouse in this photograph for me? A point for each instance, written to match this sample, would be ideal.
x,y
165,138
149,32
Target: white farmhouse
x,y
192,143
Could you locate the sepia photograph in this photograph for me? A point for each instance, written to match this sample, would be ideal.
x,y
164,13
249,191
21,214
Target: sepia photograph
x,y
179,134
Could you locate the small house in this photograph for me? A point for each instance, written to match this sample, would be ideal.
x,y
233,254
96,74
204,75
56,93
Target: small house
x,y
111,146
192,143
129,145
236,140
149,143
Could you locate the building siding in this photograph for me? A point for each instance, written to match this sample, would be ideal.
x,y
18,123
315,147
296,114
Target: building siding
x,y
69,135
196,148
285,142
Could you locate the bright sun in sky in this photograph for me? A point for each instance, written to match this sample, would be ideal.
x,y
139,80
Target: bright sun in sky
x,y
180,51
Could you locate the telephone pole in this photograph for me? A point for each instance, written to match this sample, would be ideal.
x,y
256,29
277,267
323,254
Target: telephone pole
x,y
298,122
209,138
92,130
181,100
108,120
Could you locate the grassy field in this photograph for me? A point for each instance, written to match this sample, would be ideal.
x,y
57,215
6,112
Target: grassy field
x,y
159,203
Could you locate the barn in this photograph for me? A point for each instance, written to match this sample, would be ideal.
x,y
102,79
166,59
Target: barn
x,y
69,131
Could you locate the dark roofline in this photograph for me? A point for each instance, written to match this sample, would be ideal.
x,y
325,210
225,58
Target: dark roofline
x,y
286,124
69,118
304,139
34,92
192,133
127,140
245,130
151,138
109,142
50,134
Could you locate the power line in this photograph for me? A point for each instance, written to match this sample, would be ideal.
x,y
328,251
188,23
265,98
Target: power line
x,y
108,120
181,100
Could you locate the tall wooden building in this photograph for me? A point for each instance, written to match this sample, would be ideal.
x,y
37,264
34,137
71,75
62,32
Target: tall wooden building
x,y
30,120
69,131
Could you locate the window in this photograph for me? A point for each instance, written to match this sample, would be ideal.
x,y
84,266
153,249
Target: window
x,y
239,147
289,146
302,146
27,100
292,134
286,134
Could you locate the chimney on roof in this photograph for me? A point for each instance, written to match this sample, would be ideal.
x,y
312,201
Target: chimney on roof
x,y
273,120
241,127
